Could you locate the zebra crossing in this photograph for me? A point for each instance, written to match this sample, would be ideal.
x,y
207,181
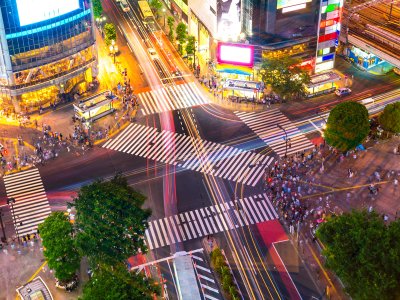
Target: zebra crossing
x,y
265,125
191,153
209,220
31,206
171,98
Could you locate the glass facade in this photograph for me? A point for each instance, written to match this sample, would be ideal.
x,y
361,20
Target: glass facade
x,y
41,58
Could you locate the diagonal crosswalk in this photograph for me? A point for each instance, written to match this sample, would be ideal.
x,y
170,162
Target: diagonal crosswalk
x,y
171,98
265,125
31,206
209,220
190,153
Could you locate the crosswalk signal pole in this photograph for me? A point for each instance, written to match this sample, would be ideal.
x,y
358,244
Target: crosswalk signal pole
x,y
4,238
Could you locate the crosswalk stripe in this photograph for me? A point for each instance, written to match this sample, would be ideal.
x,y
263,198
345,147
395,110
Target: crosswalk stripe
x,y
171,98
209,220
31,206
191,153
264,124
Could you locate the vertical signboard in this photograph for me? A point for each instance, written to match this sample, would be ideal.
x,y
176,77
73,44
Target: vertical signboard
x,y
328,34
229,19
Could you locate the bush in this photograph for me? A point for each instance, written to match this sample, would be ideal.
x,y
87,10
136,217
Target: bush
x,y
227,281
390,118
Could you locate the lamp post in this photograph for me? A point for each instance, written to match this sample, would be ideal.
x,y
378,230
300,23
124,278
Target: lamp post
x,y
164,10
113,49
194,56
286,137
4,238
11,201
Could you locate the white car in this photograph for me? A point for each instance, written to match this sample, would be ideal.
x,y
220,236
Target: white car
x,y
152,53
343,92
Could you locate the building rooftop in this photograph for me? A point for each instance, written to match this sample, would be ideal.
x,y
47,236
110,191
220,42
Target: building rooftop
x,y
35,290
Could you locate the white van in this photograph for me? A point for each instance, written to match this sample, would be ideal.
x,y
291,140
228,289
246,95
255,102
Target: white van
x,y
124,5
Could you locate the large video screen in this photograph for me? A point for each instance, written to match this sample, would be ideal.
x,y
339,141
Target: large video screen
x,y
235,54
294,3
34,11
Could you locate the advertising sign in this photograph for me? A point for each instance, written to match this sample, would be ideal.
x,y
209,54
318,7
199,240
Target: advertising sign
x,y
235,54
287,3
228,18
34,11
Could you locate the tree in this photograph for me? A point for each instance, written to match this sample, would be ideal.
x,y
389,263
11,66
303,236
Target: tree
x,y
155,6
110,33
191,44
285,77
171,22
59,247
181,35
110,221
390,118
119,284
364,253
347,126
97,8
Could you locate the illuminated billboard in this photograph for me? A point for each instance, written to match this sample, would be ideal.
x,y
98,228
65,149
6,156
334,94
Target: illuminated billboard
x,y
34,11
296,4
228,19
235,54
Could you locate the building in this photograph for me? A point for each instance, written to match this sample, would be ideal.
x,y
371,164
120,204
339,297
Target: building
x,y
35,290
46,48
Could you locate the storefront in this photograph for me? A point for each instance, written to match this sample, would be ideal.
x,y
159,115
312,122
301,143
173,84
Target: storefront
x,y
322,84
180,8
363,59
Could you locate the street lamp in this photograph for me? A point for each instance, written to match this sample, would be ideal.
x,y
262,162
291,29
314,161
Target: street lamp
x,y
194,56
113,49
164,10
11,201
286,138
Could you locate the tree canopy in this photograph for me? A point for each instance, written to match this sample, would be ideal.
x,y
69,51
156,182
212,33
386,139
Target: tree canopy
x,y
110,221
97,8
347,126
118,284
155,5
181,34
191,44
390,117
285,76
59,247
110,33
364,252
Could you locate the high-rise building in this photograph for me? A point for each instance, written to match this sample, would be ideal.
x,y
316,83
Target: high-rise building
x,y
46,48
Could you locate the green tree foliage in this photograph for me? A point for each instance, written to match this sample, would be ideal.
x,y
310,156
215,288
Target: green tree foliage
x,y
390,118
110,221
181,34
117,283
364,252
191,44
59,247
347,126
170,23
155,6
97,8
285,77
110,33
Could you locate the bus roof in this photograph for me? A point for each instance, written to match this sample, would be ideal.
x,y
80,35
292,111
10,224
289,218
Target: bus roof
x,y
186,278
145,9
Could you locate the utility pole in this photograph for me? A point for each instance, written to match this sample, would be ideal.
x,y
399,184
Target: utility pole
x,y
4,238
11,201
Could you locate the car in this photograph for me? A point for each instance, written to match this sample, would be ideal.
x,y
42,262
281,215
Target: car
x,y
396,71
152,53
343,92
